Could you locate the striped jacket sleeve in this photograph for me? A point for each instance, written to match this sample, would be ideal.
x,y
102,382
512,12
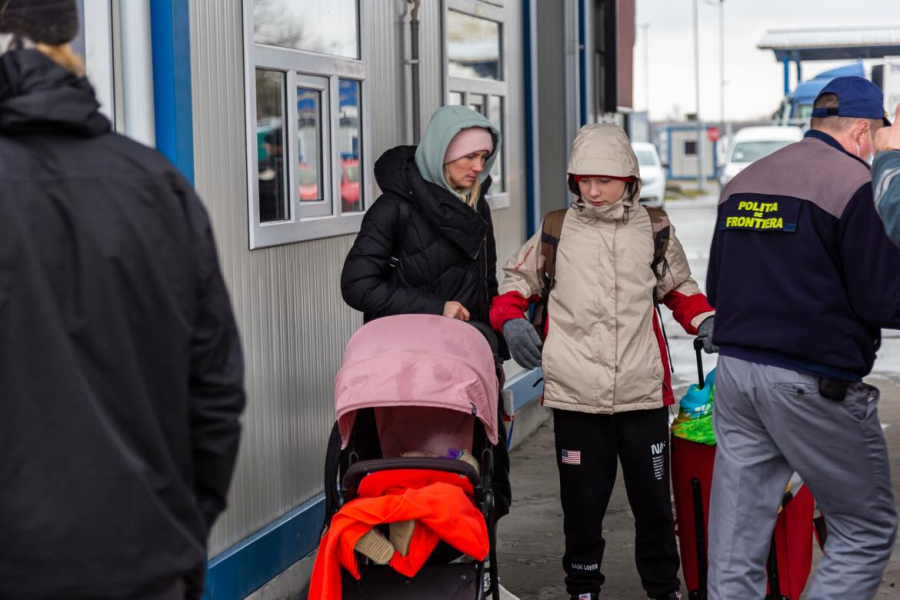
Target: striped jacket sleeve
x,y
886,184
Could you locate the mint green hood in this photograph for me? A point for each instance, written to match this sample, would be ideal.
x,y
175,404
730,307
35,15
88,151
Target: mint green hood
x,y
445,123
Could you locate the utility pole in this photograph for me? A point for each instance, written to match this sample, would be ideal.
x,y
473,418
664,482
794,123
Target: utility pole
x,y
722,62
646,28
701,176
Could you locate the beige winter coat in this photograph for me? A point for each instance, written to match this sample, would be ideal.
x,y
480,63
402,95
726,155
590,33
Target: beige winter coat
x,y
603,353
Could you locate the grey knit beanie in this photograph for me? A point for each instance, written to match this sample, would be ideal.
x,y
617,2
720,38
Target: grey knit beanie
x,y
50,22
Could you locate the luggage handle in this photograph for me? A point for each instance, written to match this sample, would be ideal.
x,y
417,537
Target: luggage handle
x,y
698,349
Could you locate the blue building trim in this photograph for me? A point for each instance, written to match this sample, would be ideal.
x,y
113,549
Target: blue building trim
x,y
532,212
691,127
171,46
250,564
786,62
582,63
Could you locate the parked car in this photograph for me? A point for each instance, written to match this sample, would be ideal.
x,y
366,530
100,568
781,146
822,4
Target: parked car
x,y
653,192
308,182
753,143
350,185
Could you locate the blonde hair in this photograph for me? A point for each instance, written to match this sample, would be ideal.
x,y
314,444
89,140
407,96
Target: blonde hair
x,y
64,56
471,195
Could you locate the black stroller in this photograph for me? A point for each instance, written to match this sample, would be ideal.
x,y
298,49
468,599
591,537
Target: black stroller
x,y
410,387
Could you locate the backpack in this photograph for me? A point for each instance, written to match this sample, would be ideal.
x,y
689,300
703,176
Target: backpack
x,y
550,233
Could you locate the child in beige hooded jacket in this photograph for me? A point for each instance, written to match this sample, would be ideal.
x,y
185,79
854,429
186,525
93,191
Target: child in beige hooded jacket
x,y
604,359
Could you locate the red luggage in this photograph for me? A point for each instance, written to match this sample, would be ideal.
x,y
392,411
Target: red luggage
x,y
790,555
791,550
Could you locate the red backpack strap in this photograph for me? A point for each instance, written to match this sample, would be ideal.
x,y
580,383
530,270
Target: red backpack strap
x,y
550,233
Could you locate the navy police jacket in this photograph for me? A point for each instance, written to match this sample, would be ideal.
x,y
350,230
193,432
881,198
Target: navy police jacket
x,y
801,272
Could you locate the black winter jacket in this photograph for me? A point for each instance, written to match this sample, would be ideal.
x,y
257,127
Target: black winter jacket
x,y
121,376
448,252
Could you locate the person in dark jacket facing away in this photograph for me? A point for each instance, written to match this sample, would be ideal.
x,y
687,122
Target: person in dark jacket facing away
x,y
426,246
121,375
803,279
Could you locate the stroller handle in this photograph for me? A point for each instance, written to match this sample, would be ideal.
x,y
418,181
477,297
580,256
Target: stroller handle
x,y
358,470
488,334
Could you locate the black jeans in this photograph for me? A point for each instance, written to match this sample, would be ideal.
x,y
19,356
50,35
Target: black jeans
x,y
587,449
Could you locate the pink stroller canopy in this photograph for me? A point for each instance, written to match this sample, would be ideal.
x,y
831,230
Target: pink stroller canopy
x,y
403,364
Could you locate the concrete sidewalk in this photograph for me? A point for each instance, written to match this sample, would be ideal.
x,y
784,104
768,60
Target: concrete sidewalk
x,y
531,538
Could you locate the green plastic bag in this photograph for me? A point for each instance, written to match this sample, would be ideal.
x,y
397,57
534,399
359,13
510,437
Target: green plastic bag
x,y
694,420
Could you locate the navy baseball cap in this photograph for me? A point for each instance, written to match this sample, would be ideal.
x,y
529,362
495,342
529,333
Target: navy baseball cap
x,y
858,98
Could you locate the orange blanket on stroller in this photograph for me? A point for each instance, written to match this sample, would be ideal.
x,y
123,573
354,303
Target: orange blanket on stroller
x,y
440,503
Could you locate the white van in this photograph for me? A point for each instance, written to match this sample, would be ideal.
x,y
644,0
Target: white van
x,y
752,143
653,190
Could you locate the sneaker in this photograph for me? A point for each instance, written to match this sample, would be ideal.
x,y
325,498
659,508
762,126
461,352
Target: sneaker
x,y
585,596
672,596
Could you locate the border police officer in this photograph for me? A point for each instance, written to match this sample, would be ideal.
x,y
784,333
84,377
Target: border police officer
x,y
803,278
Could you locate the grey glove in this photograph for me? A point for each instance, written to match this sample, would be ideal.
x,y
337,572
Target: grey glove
x,y
705,333
524,342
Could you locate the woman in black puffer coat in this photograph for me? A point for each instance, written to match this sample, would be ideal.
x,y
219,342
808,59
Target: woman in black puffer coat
x,y
426,246
446,257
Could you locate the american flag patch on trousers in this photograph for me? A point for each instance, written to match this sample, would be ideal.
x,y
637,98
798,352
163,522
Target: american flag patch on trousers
x,y
571,457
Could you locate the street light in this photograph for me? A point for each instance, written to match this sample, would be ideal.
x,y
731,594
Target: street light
x,y
646,28
701,183
721,4
722,64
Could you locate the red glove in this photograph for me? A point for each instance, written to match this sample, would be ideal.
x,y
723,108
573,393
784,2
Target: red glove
x,y
511,305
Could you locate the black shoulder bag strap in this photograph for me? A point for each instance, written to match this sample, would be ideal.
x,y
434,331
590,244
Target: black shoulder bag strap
x,y
400,234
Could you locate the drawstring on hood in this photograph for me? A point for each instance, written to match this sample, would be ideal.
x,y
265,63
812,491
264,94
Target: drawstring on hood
x,y
446,122
617,211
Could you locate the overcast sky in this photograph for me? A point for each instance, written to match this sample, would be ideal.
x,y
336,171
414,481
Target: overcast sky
x,y
754,81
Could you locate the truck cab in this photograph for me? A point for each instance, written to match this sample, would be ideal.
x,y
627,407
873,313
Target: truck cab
x,y
797,108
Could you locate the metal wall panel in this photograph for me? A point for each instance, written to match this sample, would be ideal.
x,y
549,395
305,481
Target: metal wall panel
x,y
293,322
431,50
552,105
387,75
509,223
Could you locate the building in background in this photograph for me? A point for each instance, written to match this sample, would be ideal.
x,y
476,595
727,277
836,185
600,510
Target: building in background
x,y
277,111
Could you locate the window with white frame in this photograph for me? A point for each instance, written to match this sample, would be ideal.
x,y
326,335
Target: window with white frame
x,y
306,135
476,65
